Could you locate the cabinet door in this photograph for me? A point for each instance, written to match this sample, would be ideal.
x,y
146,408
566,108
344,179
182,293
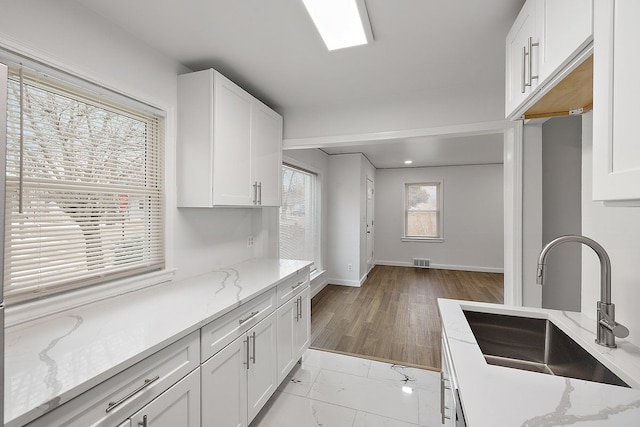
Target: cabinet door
x,y
448,408
231,144
125,424
224,386
302,326
266,145
262,378
178,406
286,318
565,27
517,44
616,151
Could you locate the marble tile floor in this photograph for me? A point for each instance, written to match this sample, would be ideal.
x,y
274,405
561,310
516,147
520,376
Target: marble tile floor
x,y
334,390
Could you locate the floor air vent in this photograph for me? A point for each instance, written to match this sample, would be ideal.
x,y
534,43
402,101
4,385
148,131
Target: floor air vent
x,y
421,262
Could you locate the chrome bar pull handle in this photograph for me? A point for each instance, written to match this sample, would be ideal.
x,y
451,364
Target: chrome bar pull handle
x,y
259,193
442,398
253,358
298,285
147,382
247,343
255,192
249,317
143,423
297,308
300,306
523,79
530,61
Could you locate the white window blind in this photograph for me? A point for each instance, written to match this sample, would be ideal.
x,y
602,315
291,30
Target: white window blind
x,y
298,216
423,208
84,189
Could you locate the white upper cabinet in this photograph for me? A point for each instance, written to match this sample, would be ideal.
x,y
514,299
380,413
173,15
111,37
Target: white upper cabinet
x,y
542,47
520,80
564,28
229,149
616,150
267,154
231,144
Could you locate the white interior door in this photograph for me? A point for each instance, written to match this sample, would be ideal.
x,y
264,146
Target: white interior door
x,y
370,197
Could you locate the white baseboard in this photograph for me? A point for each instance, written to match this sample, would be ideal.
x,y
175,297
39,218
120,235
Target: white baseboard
x,y
354,283
445,267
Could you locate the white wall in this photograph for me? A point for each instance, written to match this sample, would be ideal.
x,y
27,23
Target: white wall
x,y
531,213
561,210
316,161
70,37
473,217
343,219
617,229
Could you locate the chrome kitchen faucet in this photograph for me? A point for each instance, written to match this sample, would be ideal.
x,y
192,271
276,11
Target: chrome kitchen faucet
x,y
608,329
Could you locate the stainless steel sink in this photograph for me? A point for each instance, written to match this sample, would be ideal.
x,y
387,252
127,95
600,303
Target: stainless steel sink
x,y
535,345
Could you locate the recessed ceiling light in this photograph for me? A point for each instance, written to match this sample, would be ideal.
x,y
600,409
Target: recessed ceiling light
x,y
408,162
341,23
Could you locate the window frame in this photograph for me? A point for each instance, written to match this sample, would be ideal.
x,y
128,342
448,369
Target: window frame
x,y
317,267
23,311
439,184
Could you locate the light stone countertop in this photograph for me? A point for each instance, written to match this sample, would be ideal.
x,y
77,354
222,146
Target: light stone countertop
x,y
497,396
54,359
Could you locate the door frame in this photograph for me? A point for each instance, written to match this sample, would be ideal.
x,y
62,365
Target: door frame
x,y
512,183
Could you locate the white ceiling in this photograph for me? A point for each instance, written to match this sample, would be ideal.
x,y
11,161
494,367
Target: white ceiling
x,y
272,49
429,151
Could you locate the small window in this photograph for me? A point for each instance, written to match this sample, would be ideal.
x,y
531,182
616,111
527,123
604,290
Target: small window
x,y
423,211
299,236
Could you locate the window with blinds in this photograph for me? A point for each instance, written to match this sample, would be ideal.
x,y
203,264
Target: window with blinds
x,y
84,189
298,216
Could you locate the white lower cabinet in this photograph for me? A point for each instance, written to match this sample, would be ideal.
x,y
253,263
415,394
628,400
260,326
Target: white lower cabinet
x,y
221,375
178,406
224,386
451,411
238,380
261,367
302,329
294,331
114,400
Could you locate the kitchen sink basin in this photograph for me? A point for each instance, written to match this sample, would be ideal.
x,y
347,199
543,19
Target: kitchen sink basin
x,y
535,345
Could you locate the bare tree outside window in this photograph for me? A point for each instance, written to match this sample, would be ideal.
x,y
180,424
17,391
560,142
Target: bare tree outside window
x,y
86,173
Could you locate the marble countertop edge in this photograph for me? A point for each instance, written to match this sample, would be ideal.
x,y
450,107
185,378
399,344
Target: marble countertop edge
x,y
204,298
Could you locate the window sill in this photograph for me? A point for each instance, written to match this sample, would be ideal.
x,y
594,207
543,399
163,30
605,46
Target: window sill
x,y
423,239
39,308
315,274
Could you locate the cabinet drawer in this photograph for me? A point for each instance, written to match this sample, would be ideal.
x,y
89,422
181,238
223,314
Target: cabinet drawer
x,y
292,286
222,331
113,401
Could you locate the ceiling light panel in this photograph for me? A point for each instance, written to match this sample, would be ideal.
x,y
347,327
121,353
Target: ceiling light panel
x,y
340,22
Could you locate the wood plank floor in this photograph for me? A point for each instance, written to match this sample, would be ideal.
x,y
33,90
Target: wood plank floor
x,y
394,316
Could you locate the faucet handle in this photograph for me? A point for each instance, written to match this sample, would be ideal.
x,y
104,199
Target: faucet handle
x,y
616,328
620,331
